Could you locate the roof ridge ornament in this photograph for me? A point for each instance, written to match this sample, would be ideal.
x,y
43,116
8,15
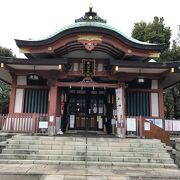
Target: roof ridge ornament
x,y
90,16
90,7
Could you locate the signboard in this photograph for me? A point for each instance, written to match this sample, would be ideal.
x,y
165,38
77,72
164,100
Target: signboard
x,y
51,118
176,125
150,120
168,125
114,112
43,124
100,122
131,124
113,121
158,122
88,67
100,110
72,121
147,126
119,104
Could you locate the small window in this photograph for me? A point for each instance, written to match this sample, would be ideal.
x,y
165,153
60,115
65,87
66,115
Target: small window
x,y
100,67
75,67
35,80
135,85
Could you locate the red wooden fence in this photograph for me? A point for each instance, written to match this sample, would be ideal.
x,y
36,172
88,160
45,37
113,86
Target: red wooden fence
x,y
154,132
29,123
26,123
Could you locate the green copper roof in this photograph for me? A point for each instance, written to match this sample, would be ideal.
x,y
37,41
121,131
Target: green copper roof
x,y
91,23
99,25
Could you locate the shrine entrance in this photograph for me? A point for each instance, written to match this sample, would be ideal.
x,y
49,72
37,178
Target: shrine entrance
x,y
89,109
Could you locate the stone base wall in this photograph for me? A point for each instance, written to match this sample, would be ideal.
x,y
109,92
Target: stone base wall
x,y
177,158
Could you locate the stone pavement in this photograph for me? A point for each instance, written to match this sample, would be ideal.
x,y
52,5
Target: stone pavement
x,y
57,172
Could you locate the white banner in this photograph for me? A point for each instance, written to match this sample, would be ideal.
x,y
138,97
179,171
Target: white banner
x,y
119,104
131,124
168,125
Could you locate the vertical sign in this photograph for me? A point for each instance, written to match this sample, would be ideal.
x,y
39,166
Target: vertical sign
x,y
88,67
119,104
131,124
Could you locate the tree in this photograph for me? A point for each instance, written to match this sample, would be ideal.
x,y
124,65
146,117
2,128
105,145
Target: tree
x,y
6,52
139,31
157,32
153,32
4,87
172,94
4,97
171,54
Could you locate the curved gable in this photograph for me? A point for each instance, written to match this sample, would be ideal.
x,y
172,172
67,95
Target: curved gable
x,y
89,33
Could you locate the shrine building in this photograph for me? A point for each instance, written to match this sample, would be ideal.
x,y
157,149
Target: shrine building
x,y
88,75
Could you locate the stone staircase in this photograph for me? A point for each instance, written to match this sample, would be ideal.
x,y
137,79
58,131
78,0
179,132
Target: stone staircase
x,y
73,151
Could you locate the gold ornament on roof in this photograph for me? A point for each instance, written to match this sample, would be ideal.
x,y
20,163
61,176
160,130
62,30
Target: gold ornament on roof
x,y
90,17
90,6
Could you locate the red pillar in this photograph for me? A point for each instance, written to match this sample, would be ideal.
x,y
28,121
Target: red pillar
x,y
161,101
52,111
12,94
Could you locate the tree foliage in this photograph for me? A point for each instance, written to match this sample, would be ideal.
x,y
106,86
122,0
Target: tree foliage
x,y
153,32
172,94
4,87
6,52
157,32
171,54
4,97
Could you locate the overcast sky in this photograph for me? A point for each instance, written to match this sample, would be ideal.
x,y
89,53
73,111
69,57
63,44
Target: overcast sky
x,y
35,19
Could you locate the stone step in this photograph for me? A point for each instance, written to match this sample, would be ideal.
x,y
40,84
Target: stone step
x,y
73,151
89,139
121,148
57,142
89,164
131,164
90,153
87,158
49,138
83,147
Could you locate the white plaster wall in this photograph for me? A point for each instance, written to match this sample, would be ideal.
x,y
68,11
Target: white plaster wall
x,y
21,80
18,100
100,67
154,84
154,105
76,67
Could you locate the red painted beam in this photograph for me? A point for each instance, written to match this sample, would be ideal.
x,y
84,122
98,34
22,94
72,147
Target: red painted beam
x,y
84,84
